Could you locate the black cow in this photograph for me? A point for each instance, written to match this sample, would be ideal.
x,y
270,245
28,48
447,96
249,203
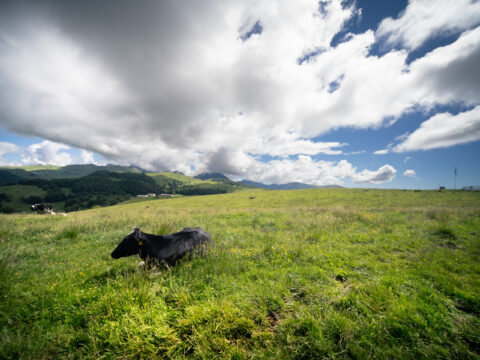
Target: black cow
x,y
42,208
162,248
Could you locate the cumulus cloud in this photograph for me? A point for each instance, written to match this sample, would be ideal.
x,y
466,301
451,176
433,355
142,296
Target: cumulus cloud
x,y
7,148
450,73
381,152
423,19
444,130
410,173
386,173
213,85
47,152
87,157
316,172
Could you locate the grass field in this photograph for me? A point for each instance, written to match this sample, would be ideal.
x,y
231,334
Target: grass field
x,y
308,274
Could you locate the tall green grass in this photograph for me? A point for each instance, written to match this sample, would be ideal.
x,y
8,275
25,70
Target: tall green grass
x,y
308,274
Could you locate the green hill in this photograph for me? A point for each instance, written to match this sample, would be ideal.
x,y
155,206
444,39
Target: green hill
x,y
307,274
13,198
183,179
182,184
212,175
100,188
13,174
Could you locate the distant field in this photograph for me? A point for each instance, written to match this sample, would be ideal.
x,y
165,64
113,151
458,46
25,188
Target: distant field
x,y
307,274
179,177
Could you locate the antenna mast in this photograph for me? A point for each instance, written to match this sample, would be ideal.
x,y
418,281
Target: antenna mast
x,y
455,179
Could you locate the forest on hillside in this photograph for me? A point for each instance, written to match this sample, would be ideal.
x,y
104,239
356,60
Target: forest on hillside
x,y
101,188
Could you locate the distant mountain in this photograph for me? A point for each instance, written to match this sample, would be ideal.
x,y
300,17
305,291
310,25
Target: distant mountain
x,y
288,186
212,175
219,177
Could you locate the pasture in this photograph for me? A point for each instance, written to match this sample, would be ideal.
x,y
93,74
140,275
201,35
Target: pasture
x,y
307,274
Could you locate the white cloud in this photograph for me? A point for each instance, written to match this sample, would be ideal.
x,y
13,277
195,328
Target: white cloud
x,y
174,87
406,159
444,130
356,152
303,169
47,152
7,148
283,147
450,73
423,19
381,152
307,170
87,157
386,173
410,173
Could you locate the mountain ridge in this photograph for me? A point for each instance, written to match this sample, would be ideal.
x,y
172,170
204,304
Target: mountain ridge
x,y
288,186
49,172
216,176
14,174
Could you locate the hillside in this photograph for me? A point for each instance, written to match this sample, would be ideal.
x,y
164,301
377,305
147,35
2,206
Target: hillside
x,y
97,189
14,174
309,274
212,175
101,188
185,180
169,181
185,185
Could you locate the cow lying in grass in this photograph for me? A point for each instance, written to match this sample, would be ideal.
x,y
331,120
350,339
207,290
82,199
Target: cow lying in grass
x,y
163,248
42,208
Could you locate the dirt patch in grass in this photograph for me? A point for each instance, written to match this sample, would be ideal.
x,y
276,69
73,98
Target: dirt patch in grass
x,y
468,306
273,318
444,232
449,245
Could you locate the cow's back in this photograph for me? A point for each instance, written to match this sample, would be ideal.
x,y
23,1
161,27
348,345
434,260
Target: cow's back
x,y
174,246
197,232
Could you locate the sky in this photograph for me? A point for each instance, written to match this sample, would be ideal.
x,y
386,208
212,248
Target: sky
x,y
366,93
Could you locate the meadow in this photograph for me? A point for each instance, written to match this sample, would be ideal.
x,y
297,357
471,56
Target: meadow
x,y
305,274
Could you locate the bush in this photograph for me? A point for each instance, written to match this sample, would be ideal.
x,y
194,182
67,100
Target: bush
x,y
7,210
55,196
33,200
5,197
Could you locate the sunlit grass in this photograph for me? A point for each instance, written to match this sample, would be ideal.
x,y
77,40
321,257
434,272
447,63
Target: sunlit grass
x,y
293,275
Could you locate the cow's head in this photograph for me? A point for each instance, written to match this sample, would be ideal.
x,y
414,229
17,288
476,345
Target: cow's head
x,y
129,245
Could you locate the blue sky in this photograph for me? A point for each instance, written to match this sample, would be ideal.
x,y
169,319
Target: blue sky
x,y
357,93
